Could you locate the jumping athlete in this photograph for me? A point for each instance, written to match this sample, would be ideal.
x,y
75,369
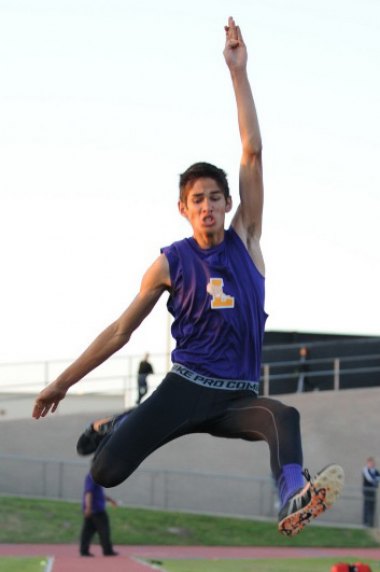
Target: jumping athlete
x,y
216,284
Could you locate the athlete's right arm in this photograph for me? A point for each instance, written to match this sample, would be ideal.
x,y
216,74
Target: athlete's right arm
x,y
155,281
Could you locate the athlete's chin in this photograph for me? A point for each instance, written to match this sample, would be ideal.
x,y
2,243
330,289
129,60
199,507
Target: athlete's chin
x,y
211,227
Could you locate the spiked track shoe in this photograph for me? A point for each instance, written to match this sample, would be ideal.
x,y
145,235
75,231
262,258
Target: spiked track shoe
x,y
317,495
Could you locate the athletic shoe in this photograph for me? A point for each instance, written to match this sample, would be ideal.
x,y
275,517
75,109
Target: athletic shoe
x,y
308,503
91,438
88,442
113,553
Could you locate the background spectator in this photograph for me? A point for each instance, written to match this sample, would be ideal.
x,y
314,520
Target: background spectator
x,y
371,478
95,518
304,381
145,369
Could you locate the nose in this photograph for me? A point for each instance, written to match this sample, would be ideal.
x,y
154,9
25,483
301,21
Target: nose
x,y
207,205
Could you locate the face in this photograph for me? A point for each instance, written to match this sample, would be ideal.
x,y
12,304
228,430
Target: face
x,y
205,207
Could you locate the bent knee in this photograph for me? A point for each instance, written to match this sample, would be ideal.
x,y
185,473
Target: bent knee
x,y
104,475
290,415
293,412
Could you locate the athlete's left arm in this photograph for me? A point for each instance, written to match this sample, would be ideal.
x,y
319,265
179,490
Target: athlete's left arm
x,y
247,220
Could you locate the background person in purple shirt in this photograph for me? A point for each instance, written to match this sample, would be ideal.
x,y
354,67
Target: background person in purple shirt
x,y
95,518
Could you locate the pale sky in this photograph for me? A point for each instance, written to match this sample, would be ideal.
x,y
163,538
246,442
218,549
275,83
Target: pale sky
x,y
104,103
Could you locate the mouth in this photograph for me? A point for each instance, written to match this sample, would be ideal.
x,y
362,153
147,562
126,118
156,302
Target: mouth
x,y
208,220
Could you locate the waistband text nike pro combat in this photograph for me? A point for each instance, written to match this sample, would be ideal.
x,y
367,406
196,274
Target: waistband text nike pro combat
x,y
215,383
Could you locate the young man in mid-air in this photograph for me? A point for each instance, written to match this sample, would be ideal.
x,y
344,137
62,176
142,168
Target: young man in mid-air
x,y
216,284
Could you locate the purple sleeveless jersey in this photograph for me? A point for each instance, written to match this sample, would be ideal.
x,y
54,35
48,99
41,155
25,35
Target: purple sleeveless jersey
x,y
217,302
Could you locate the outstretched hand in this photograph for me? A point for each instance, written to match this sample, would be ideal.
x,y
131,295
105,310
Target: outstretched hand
x,y
48,400
235,51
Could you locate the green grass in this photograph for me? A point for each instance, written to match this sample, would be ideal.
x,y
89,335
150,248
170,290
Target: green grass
x,y
13,564
46,521
275,565
38,564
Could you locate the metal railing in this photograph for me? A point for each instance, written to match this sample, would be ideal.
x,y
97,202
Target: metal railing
x,y
118,375
333,369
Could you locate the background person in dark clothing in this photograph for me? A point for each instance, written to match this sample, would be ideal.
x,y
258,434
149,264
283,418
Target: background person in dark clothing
x,y
95,518
145,368
304,381
371,478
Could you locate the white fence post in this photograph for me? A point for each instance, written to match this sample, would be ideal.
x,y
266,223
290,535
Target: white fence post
x,y
336,374
266,379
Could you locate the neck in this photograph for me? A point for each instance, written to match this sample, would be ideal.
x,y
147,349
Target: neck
x,y
208,240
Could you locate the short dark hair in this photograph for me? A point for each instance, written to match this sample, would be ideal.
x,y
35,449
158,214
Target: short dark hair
x,y
202,171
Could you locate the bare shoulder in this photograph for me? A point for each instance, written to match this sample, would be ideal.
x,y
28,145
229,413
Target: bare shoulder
x,y
158,274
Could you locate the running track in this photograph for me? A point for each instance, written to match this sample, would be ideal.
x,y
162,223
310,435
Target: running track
x,y
64,557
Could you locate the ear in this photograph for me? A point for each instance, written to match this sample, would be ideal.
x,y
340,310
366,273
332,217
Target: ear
x,y
228,204
182,208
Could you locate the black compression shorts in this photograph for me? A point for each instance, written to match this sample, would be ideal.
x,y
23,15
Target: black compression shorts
x,y
179,407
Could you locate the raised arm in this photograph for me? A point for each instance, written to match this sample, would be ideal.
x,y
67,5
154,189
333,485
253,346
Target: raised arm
x,y
114,337
247,220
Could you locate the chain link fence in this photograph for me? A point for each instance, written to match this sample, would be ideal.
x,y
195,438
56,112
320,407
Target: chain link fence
x,y
207,493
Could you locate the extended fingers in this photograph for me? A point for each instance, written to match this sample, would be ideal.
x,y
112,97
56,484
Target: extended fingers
x,y
233,33
239,36
37,410
41,409
55,405
231,29
230,22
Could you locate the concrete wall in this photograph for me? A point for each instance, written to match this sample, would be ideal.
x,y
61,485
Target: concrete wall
x,y
337,427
